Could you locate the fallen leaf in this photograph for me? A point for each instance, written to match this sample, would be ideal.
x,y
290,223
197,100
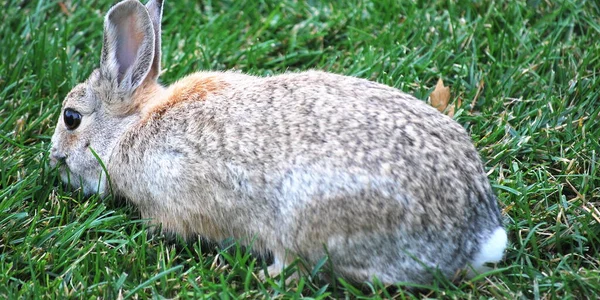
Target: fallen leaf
x,y
440,96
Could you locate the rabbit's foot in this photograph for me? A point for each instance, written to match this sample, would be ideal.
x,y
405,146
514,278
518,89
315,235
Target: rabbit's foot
x,y
276,269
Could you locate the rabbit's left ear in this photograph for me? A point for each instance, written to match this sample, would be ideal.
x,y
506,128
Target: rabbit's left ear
x,y
155,8
128,49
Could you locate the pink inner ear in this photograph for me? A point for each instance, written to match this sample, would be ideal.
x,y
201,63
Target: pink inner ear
x,y
128,42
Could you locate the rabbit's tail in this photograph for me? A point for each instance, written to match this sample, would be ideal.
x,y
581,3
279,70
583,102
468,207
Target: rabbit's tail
x,y
491,250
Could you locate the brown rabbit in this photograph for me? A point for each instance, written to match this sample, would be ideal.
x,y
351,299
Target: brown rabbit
x,y
302,164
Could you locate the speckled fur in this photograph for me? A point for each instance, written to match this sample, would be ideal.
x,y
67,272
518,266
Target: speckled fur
x,y
294,164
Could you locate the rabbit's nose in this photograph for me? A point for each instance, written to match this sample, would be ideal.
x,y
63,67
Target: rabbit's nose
x,y
56,156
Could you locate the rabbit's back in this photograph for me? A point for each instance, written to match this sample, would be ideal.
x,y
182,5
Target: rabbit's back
x,y
344,124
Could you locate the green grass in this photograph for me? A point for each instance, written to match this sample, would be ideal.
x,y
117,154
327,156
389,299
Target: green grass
x,y
528,75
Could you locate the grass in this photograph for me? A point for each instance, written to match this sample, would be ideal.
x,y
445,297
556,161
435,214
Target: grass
x,y
528,75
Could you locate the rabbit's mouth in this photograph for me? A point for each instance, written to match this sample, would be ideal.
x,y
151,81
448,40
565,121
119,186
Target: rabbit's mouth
x,y
88,185
87,181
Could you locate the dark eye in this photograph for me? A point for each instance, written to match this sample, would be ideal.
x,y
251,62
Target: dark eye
x,y
72,119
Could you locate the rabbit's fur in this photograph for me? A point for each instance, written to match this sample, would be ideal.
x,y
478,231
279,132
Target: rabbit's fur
x,y
301,164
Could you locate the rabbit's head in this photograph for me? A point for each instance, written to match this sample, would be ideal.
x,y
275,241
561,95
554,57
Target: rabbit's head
x,y
97,112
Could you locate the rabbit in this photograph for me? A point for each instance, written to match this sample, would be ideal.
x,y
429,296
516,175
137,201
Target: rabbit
x,y
302,165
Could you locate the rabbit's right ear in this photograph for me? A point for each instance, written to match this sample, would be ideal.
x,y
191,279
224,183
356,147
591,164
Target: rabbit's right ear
x,y
128,50
155,8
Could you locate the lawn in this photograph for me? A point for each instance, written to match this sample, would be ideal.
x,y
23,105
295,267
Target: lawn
x,y
527,74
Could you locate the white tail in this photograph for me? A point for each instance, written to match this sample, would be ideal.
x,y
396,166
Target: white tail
x,y
491,251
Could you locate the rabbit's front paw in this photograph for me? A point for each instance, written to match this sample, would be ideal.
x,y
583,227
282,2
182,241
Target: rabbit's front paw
x,y
276,269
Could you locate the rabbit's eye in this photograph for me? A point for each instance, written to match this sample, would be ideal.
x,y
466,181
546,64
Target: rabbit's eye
x,y
72,119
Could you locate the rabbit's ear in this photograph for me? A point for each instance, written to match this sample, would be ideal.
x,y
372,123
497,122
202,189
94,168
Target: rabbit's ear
x,y
155,8
128,49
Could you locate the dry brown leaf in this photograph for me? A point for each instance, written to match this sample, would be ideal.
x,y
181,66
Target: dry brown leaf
x,y
440,96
